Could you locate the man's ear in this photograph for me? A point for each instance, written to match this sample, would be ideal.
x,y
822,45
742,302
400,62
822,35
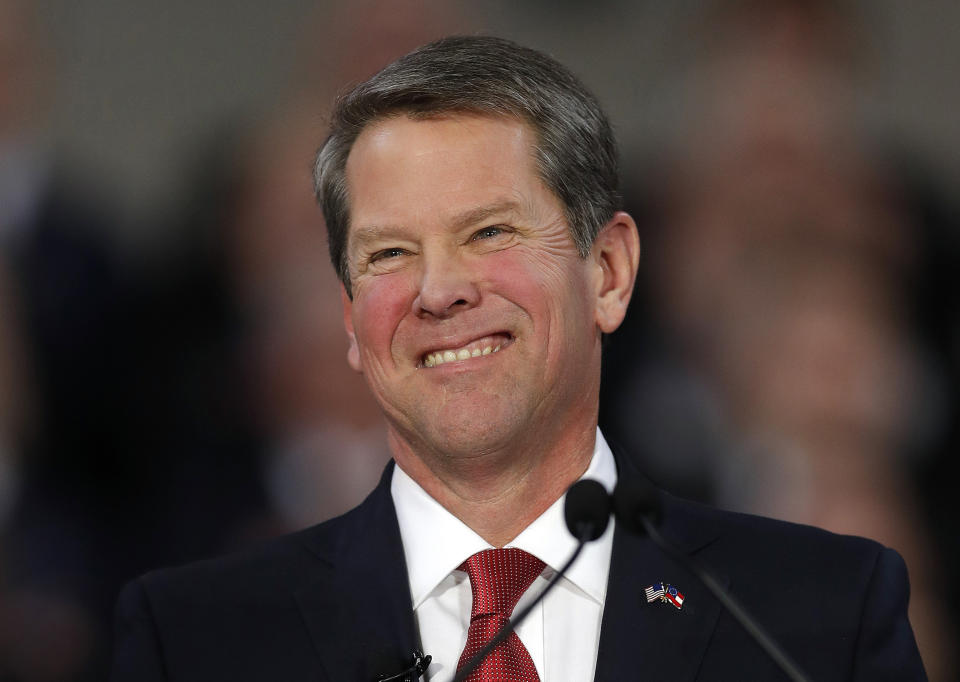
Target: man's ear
x,y
353,352
616,252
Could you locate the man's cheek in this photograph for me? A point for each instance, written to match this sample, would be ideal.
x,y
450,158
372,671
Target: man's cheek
x,y
378,310
509,271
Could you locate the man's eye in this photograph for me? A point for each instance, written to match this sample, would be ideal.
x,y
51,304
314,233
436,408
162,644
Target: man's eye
x,y
387,253
488,232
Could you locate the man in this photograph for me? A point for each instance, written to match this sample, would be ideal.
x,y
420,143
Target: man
x,y
470,192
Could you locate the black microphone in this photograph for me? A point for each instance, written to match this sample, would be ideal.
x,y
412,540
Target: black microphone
x,y
586,509
637,506
411,673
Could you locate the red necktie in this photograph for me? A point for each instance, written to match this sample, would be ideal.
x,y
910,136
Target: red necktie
x,y
498,578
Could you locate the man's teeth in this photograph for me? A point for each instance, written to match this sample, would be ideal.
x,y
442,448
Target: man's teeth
x,y
442,356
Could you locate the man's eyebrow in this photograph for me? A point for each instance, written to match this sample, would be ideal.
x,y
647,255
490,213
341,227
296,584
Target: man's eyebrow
x,y
481,213
375,233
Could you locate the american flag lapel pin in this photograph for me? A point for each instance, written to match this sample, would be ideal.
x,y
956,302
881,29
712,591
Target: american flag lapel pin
x,y
666,594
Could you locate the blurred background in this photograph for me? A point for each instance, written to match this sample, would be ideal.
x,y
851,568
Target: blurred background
x,y
173,381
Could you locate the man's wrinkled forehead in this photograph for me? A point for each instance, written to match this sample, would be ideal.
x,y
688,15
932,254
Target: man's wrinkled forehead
x,y
378,132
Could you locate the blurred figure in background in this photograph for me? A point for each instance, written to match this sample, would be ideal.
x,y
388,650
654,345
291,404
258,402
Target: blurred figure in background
x,y
781,258
181,403
61,461
326,442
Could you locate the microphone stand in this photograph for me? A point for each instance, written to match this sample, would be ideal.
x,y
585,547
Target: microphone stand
x,y
584,535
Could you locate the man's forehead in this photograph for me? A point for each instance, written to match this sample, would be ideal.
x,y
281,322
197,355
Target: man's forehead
x,y
498,171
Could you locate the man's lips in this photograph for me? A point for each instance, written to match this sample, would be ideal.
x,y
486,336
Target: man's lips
x,y
485,345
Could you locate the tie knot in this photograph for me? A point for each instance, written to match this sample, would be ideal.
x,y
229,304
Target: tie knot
x,y
498,577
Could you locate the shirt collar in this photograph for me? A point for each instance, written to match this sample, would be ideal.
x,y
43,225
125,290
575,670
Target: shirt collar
x,y
435,542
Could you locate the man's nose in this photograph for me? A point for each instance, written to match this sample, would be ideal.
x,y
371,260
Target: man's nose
x,y
447,286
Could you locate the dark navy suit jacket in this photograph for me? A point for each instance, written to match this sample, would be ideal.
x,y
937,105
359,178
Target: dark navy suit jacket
x,y
332,603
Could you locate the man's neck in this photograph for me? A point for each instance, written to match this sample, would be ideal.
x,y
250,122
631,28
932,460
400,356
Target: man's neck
x,y
500,493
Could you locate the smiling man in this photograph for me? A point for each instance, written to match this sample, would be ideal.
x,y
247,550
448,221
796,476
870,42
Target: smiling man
x,y
474,317
470,194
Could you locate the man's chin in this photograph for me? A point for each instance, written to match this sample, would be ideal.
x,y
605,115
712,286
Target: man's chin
x,y
468,436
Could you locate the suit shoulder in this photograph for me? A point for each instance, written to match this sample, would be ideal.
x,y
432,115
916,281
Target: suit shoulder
x,y
275,564
838,602
239,613
762,539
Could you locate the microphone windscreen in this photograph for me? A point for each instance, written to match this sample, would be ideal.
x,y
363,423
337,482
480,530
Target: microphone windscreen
x,y
587,504
633,499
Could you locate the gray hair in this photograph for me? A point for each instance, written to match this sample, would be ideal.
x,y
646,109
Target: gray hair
x,y
575,150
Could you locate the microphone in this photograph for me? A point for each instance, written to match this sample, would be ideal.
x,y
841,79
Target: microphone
x,y
638,507
586,510
410,674
634,501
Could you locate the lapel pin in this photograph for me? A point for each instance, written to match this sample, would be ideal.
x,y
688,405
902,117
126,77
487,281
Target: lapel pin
x,y
666,594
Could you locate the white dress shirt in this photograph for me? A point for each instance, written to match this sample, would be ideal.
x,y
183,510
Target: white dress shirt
x,y
562,633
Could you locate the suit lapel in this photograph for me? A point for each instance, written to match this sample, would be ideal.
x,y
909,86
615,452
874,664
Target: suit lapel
x,y
358,611
655,641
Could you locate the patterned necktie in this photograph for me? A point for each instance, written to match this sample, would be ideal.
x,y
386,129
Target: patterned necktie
x,y
498,578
